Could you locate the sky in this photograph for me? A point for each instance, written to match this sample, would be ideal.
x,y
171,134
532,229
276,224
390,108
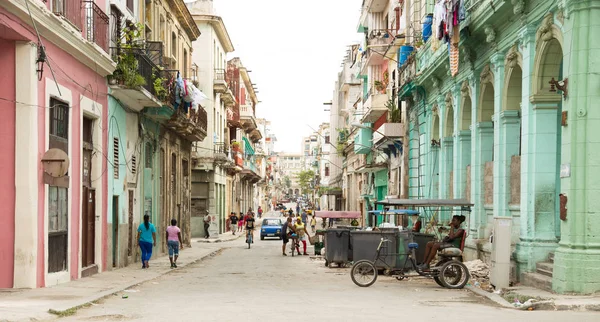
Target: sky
x,y
295,50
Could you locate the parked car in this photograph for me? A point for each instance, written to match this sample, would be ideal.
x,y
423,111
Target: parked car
x,y
271,227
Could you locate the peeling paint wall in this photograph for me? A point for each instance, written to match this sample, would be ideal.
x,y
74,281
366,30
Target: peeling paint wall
x,y
515,180
488,183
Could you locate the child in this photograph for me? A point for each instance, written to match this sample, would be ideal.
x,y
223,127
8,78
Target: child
x,y
174,242
313,223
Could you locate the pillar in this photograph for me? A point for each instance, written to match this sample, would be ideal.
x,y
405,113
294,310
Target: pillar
x,y
507,146
27,164
482,152
539,164
577,260
463,158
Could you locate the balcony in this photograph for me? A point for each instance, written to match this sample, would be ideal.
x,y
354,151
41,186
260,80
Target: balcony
x,y
233,116
96,24
228,98
255,136
247,118
191,126
370,6
387,136
220,82
133,81
374,106
363,140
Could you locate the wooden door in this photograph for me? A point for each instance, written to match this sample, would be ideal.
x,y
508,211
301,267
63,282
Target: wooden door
x,y
130,225
88,224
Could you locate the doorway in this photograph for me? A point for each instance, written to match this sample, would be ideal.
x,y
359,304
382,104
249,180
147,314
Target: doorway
x,y
115,230
88,203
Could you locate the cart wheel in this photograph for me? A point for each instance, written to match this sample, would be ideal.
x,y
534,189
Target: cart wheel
x,y
454,275
326,263
363,273
400,278
438,281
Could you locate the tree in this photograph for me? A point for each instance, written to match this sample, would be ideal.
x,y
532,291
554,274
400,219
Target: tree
x,y
305,178
287,182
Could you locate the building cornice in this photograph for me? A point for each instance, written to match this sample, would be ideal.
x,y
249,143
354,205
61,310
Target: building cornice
x,y
185,18
217,23
59,32
248,83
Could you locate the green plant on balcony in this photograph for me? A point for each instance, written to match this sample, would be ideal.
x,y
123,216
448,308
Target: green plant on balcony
x,y
160,90
379,86
394,115
235,145
126,73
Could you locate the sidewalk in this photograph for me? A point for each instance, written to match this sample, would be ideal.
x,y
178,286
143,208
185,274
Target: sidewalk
x,y
228,236
35,304
529,298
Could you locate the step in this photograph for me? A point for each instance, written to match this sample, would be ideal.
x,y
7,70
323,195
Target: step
x,y
537,280
551,257
545,268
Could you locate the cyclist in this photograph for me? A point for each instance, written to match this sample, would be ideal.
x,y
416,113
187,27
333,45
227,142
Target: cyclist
x,y
249,226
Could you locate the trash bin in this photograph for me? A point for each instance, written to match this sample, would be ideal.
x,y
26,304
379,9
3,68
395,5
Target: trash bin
x,y
421,240
337,246
364,246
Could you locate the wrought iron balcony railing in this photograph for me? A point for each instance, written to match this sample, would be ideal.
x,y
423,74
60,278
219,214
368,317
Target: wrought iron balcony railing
x,y
70,10
96,24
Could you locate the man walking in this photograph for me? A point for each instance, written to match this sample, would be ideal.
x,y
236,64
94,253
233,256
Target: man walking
x,y
233,219
287,226
207,220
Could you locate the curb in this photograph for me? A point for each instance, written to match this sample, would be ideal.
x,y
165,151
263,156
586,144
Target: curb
x,y
218,240
543,305
85,302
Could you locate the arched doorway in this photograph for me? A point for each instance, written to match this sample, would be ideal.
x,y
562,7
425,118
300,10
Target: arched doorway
x,y
463,190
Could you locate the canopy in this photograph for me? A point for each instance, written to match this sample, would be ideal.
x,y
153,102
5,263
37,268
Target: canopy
x,y
395,212
337,214
425,202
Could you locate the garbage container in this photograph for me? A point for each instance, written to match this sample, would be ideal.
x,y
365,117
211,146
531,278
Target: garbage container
x,y
364,246
421,240
337,246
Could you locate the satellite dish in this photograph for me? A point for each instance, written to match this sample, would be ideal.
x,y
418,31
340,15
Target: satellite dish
x,y
55,163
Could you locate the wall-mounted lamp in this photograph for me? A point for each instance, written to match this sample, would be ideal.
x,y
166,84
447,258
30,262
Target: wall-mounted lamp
x,y
560,85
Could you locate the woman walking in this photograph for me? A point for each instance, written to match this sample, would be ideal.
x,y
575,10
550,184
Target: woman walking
x,y
146,240
174,242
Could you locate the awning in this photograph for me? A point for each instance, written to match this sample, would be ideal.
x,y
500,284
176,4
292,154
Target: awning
x,y
248,147
395,212
425,202
337,214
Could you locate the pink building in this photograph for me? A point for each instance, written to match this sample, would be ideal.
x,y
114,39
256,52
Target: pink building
x,y
53,227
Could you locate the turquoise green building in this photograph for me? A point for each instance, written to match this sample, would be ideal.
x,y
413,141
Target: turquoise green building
x,y
515,130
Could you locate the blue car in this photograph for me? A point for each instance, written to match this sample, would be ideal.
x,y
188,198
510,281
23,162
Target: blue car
x,y
271,227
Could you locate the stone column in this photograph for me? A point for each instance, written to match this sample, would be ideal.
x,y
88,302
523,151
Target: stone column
x,y
27,164
577,260
506,147
432,186
447,163
539,165
463,158
482,152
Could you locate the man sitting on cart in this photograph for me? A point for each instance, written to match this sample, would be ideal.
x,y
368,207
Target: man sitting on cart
x,y
454,239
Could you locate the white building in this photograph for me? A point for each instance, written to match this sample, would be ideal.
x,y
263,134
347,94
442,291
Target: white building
x,y
210,55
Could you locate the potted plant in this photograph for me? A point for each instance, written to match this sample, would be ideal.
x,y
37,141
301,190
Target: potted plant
x,y
235,145
394,115
379,86
160,90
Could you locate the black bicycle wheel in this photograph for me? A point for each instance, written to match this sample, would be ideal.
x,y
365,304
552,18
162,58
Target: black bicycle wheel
x,y
454,275
363,273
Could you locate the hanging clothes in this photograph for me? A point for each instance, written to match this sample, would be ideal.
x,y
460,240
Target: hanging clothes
x,y
439,16
453,51
462,11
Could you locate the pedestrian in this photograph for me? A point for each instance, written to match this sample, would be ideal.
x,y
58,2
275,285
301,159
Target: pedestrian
x,y
291,212
174,242
260,212
240,221
304,217
286,229
233,221
146,240
300,229
297,208
313,223
324,223
207,220
249,224
330,220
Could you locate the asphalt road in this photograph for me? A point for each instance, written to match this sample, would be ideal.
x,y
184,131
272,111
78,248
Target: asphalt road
x,y
259,284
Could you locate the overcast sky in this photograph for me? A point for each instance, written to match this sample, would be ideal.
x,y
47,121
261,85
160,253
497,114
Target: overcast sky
x,y
295,50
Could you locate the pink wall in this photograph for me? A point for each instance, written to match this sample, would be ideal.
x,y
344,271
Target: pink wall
x,y
7,163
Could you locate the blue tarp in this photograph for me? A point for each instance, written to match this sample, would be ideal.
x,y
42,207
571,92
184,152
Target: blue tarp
x,y
395,212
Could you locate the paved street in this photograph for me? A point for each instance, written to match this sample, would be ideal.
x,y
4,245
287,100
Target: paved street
x,y
259,284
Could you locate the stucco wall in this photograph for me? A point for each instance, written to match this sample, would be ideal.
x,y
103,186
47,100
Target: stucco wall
x,y
7,163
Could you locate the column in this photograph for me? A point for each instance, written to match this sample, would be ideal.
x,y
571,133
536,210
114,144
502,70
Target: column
x,y
508,145
482,151
539,165
432,186
577,260
463,158
27,164
500,165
